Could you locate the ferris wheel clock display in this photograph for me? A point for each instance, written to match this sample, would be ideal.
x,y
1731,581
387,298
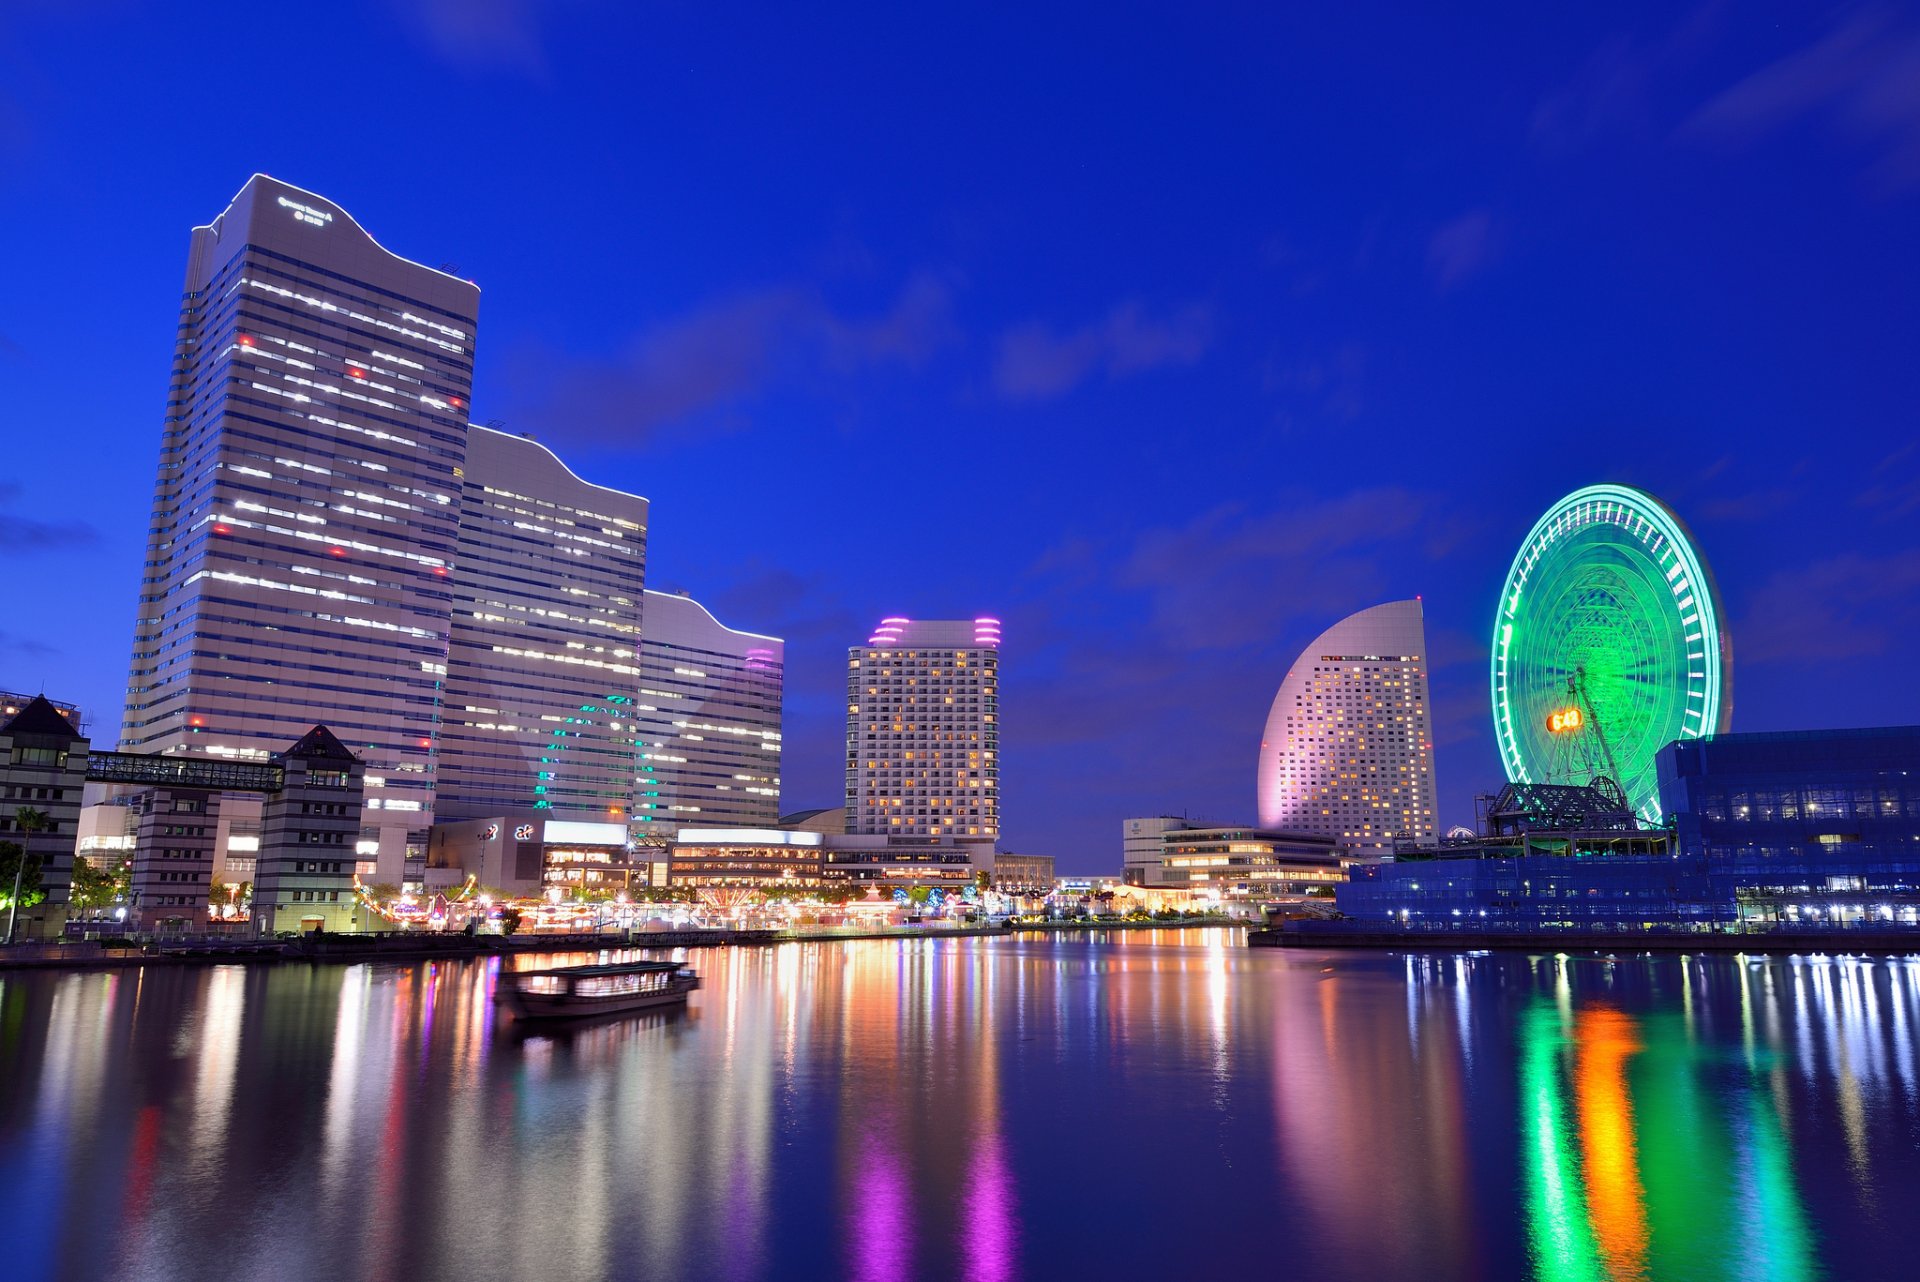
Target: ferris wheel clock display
x,y
1609,644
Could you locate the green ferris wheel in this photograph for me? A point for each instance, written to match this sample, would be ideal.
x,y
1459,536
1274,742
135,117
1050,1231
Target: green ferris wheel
x,y
1609,644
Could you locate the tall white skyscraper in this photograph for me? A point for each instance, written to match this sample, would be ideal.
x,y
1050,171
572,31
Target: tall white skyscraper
x,y
923,731
543,671
307,507
1348,747
708,722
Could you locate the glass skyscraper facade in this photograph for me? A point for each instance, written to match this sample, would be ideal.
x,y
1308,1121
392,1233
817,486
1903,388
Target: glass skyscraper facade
x,y
543,670
707,720
307,505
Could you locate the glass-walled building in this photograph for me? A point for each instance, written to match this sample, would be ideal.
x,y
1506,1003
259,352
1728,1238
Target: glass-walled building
x,y
707,721
307,502
1802,826
1801,829
543,671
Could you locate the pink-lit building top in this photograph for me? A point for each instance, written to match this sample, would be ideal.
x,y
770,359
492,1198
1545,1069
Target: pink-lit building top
x,y
923,730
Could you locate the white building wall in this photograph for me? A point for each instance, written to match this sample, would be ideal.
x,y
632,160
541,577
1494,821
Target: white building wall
x,y
1348,747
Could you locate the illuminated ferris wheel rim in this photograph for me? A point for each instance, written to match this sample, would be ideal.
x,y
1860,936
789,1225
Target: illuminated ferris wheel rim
x,y
1694,596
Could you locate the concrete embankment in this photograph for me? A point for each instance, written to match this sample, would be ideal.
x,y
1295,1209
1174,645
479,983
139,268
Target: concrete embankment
x,y
1851,941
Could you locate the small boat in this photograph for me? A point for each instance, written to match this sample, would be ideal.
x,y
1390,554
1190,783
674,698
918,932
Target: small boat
x,y
578,992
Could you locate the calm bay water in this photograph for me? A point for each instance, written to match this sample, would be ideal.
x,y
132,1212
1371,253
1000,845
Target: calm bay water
x,y
1144,1105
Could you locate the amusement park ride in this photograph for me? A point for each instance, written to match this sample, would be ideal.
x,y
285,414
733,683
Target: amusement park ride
x,y
1609,643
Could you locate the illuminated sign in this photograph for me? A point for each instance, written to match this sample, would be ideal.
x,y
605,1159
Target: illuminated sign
x,y
523,833
306,213
1563,720
493,830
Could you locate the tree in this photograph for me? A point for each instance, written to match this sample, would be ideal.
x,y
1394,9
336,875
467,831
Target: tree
x,y
30,822
95,887
918,895
509,920
19,875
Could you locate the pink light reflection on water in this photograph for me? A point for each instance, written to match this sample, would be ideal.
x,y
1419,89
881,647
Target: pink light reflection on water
x,y
992,1231
879,1225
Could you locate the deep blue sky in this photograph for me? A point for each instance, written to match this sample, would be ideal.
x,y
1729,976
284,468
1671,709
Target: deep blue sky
x,y
1168,338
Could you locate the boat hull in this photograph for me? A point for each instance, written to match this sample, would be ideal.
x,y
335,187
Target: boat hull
x,y
539,1007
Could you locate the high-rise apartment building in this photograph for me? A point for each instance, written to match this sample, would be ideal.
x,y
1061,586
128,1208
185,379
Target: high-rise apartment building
x,y
923,731
708,721
306,513
1348,747
543,673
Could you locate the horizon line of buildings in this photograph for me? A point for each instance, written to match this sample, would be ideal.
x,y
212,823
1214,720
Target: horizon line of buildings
x,y
335,543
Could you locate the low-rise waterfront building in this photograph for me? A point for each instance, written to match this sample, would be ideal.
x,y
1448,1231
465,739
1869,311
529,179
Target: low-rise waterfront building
x,y
770,857
1229,861
1803,828
1022,874
43,768
176,837
528,853
308,830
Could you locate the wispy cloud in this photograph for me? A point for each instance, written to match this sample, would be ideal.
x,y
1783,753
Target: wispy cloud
x,y
1307,558
1863,73
25,534
1036,362
1615,90
1462,248
483,35
1847,607
724,353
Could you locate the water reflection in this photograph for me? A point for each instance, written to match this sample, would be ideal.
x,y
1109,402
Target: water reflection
x,y
982,1110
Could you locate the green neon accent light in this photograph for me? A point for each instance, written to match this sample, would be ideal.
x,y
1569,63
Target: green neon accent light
x,y
1608,590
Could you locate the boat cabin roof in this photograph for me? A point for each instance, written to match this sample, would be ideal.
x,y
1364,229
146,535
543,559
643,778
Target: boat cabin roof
x,y
605,968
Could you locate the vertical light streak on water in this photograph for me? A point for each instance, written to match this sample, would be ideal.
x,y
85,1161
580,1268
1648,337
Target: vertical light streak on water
x,y
1686,997
214,1067
989,1226
1840,1017
1606,1038
1803,1020
1463,1012
1746,1009
1413,1006
1900,989
343,1081
880,1226
1217,1023
1778,1243
1561,1245
1678,1137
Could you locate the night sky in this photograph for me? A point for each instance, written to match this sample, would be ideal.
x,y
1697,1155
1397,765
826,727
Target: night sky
x,y
1168,338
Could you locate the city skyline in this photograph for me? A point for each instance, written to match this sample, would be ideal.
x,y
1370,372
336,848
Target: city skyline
x,y
1113,425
